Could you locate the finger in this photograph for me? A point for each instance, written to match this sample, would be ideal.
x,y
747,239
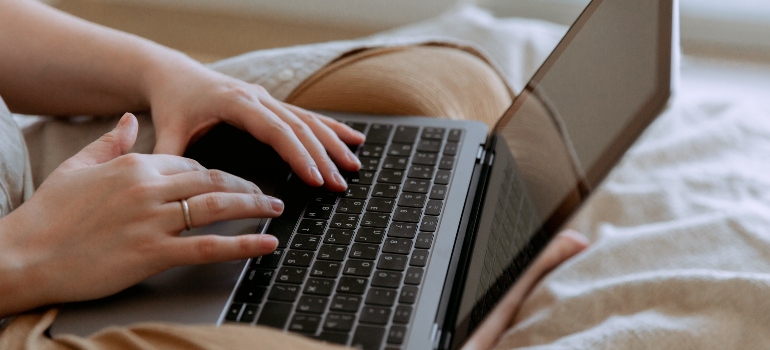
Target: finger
x,y
190,184
270,129
218,206
345,133
213,248
169,165
169,141
332,177
564,246
108,147
336,149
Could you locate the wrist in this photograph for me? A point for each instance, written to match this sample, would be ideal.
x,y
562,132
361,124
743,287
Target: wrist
x,y
162,66
18,284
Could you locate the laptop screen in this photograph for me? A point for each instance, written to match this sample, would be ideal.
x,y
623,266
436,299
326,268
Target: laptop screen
x,y
604,83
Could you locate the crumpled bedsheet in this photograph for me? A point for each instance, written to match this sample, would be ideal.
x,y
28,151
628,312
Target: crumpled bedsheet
x,y
680,233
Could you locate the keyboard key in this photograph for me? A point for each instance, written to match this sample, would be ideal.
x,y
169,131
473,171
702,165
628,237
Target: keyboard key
x,y
391,176
424,240
294,275
402,230
442,177
328,269
371,235
395,163
405,134
433,133
269,260
274,314
258,277
407,214
446,163
313,227
400,150
450,149
429,146
282,228
434,207
414,275
357,192
334,337
419,258
416,200
344,221
397,246
351,206
339,322
408,295
332,252
318,211
369,164
319,286
298,258
380,296
312,304
438,192
378,134
249,314
254,295
364,251
429,223
375,315
305,242
420,172
233,312
375,220
355,267
425,158
387,279
381,205
396,335
283,292
393,262
386,190
352,285
347,303
454,135
360,127
417,186
368,337
371,150
360,177
403,314
305,323
320,196
338,236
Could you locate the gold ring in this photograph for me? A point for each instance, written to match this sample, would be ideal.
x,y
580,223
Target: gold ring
x,y
186,213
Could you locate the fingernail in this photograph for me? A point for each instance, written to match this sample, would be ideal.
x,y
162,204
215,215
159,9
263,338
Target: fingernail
x,y
269,242
124,120
316,174
352,157
340,180
276,204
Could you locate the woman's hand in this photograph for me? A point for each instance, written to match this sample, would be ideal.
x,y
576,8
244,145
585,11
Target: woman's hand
x,y
564,246
188,99
105,220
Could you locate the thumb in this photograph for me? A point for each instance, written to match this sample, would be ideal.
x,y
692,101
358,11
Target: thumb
x,y
110,146
168,142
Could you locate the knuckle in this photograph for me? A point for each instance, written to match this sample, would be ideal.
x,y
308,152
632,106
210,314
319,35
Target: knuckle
x,y
193,164
131,160
218,178
214,204
279,127
207,248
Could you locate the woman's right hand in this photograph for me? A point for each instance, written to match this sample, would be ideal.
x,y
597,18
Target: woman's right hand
x,y
105,220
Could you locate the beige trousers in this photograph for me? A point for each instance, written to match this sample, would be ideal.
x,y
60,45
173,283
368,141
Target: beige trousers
x,y
423,80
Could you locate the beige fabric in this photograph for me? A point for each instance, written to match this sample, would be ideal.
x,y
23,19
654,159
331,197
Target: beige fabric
x,y
461,86
15,174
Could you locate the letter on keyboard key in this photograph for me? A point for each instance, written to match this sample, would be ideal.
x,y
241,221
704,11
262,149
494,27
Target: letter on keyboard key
x,y
387,279
417,186
352,285
294,275
313,227
434,207
408,295
258,277
375,315
395,262
442,177
304,323
319,286
425,158
371,150
402,230
298,258
357,192
396,334
305,242
424,240
429,223
391,176
419,258
397,246
329,269
312,304
332,252
403,314
386,190
454,135
284,292
381,205
338,236
344,221
416,200
380,296
407,214
429,146
433,133
275,314
371,235
364,251
414,275
438,192
355,267
420,172
339,322
351,206
375,220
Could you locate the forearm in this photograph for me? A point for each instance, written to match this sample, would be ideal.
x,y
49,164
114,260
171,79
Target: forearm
x,y
18,284
56,64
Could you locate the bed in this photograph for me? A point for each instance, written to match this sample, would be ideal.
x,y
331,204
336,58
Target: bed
x,y
680,249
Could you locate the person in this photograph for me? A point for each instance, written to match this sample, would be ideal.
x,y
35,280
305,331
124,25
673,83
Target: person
x,y
106,219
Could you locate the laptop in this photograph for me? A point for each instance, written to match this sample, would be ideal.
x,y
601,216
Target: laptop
x,y
442,218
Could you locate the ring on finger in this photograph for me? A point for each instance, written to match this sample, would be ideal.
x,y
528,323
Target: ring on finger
x,y
186,214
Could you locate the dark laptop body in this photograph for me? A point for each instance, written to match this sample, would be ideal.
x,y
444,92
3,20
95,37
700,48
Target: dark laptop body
x,y
507,194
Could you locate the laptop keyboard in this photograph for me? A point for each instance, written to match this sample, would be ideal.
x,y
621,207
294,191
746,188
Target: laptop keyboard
x,y
349,266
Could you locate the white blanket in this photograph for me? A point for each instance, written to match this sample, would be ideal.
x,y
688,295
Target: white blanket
x,y
681,249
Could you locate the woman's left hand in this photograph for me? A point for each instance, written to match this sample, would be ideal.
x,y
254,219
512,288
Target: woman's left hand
x,y
188,99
